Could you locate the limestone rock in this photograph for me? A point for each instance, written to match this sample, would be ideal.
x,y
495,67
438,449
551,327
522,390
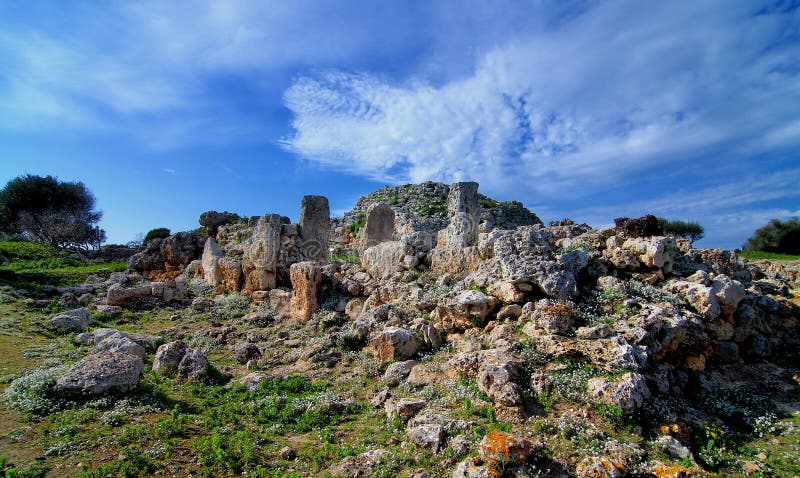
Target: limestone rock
x,y
260,260
395,343
314,224
644,226
359,465
600,467
212,220
654,252
384,259
430,436
100,373
168,357
552,317
398,371
403,408
505,292
119,295
306,278
193,365
211,255
122,344
467,309
379,226
76,320
628,392
244,352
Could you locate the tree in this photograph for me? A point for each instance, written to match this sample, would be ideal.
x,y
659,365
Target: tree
x,y
45,210
157,233
776,236
688,230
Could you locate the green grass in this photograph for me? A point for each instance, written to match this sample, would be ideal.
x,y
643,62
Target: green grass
x,y
33,265
754,255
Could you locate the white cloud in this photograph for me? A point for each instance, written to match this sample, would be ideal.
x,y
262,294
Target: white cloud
x,y
626,88
170,171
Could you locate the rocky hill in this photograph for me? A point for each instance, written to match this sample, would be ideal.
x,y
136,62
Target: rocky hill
x,y
430,332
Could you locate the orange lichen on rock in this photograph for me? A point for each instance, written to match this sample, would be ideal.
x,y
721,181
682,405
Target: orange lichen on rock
x,y
662,470
676,429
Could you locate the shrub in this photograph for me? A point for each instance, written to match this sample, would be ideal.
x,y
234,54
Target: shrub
x,y
158,233
233,306
31,393
776,236
688,230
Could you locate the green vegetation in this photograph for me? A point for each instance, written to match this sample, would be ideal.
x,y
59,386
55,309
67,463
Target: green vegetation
x,y
48,211
347,256
158,233
489,203
781,237
688,230
355,227
754,255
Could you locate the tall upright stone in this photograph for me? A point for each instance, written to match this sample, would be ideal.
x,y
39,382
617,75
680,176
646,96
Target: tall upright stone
x,y
379,226
464,212
211,256
306,278
260,261
315,220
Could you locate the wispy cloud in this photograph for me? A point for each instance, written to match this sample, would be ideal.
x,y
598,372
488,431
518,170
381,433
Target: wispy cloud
x,y
170,171
622,91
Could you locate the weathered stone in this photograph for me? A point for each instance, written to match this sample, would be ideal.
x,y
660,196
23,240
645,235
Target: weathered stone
x,y
306,278
628,392
512,312
468,309
359,465
76,320
428,436
654,252
281,301
244,352
600,467
113,311
260,260
119,295
506,292
193,365
384,259
599,331
552,317
403,408
120,343
315,218
211,255
644,226
499,447
212,220
100,373
463,210
728,293
395,343
379,226
398,371
472,468
168,357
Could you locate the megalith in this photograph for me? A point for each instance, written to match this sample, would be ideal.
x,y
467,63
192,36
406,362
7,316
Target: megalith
x,y
260,260
379,226
315,219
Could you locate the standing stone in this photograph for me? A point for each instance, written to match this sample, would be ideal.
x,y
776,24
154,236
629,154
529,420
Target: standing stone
x,y
260,262
315,218
464,212
211,256
379,226
306,278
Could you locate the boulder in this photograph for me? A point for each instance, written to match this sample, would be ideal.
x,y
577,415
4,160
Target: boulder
x,y
168,357
398,371
385,258
306,278
119,295
211,256
260,259
75,320
360,465
101,373
379,226
551,317
120,343
314,224
395,343
600,467
654,252
629,392
403,408
244,352
467,309
193,365
644,226
429,436
212,220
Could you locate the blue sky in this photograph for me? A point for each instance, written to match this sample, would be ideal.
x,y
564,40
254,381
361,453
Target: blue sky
x,y
588,110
